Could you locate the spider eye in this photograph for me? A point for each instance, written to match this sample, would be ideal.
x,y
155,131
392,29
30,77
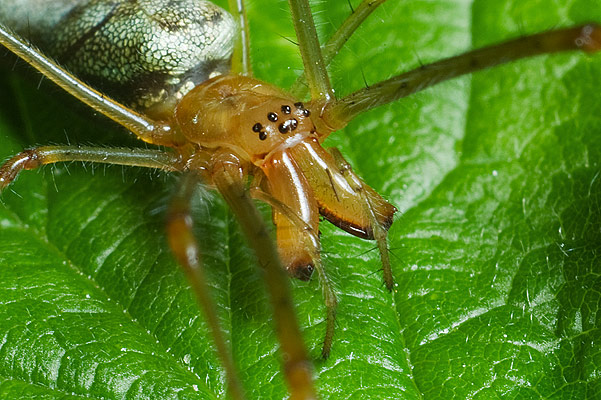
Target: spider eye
x,y
273,117
257,127
286,109
287,126
284,128
262,135
299,105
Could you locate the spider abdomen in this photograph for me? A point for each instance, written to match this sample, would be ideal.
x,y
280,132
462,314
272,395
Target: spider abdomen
x,y
146,54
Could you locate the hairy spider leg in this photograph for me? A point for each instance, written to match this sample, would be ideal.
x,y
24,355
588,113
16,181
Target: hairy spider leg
x,y
373,209
338,39
308,44
585,37
241,63
186,251
228,176
43,155
148,130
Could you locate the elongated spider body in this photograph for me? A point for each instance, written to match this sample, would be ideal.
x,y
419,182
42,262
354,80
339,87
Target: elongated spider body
x,y
251,140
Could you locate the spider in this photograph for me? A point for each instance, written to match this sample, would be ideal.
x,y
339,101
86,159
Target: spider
x,y
325,368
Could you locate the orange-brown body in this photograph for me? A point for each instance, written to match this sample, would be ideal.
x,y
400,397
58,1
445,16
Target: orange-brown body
x,y
274,137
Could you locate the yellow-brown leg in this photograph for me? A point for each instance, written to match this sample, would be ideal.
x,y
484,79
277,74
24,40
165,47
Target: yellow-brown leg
x,y
329,296
338,113
308,43
229,178
241,57
185,248
147,129
380,231
338,39
35,158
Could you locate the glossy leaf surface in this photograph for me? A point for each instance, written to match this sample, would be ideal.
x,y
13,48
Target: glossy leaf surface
x,y
495,248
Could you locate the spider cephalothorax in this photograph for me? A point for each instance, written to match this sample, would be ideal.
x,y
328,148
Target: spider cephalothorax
x,y
250,117
274,137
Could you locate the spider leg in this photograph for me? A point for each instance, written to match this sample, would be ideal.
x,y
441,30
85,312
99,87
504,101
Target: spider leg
x,y
34,158
308,43
338,39
348,27
329,296
148,130
379,229
185,248
331,302
228,176
241,58
338,113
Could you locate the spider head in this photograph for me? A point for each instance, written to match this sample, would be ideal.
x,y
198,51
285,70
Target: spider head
x,y
246,115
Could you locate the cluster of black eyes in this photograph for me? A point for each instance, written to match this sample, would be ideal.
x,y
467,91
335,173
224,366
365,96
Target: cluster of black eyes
x,y
284,127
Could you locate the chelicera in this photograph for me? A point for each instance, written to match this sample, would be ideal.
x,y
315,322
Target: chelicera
x,y
232,128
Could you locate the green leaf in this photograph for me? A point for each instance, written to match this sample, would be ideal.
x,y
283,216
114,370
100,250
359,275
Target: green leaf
x,y
496,248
